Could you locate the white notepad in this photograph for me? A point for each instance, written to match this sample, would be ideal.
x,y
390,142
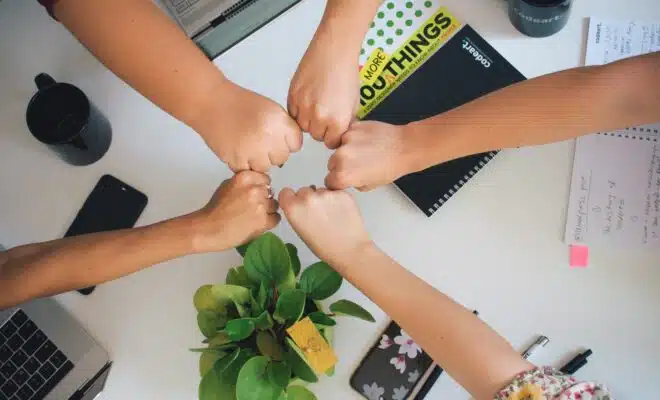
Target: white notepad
x,y
615,188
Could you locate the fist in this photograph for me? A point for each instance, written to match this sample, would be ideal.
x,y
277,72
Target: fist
x,y
371,154
250,131
324,92
240,210
327,221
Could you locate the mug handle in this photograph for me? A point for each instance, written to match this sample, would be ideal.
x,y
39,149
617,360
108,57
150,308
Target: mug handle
x,y
44,80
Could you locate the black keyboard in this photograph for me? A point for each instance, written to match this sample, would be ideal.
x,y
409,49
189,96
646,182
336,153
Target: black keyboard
x,y
30,364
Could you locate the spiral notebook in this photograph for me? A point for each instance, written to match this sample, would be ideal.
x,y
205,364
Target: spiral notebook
x,y
615,188
462,69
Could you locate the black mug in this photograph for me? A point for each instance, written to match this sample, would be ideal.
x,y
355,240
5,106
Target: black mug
x,y
62,117
539,18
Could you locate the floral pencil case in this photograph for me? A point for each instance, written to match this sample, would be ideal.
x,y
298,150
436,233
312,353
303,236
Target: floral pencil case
x,y
395,368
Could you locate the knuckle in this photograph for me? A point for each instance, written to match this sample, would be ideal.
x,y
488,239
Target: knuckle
x,y
242,178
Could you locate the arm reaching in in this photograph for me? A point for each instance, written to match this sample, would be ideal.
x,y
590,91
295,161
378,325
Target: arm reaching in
x,y
139,43
546,109
477,357
240,210
324,92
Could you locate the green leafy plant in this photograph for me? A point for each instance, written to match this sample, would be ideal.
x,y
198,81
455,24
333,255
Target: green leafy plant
x,y
248,354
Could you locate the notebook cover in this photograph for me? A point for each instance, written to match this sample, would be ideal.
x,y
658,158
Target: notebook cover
x,y
463,69
393,368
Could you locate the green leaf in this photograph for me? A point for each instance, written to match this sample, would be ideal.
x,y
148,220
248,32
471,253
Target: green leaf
x,y
320,281
238,277
290,306
203,299
207,359
295,260
220,339
209,322
347,307
278,373
288,283
230,370
242,249
299,393
268,346
239,329
239,296
263,321
263,296
267,259
214,385
253,383
298,363
216,349
322,318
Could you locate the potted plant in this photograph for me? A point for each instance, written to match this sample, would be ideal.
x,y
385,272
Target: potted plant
x,y
248,354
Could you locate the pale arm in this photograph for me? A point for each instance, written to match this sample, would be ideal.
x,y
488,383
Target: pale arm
x,y
547,109
473,354
477,357
323,96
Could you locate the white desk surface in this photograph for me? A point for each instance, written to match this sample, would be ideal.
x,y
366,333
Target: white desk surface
x,y
497,246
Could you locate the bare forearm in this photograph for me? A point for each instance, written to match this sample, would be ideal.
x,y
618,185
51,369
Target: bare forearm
x,y
58,266
139,43
547,109
472,353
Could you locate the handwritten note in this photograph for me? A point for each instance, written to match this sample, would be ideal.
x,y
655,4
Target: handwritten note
x,y
614,40
615,189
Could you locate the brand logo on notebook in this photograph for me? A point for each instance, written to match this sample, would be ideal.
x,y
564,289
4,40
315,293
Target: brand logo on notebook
x,y
476,52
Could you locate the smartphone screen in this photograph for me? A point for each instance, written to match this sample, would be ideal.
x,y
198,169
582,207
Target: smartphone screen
x,y
112,205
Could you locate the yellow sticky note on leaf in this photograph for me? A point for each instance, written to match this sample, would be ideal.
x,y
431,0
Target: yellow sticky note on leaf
x,y
318,352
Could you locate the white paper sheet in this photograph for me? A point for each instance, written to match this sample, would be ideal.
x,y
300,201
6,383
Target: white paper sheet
x,y
615,188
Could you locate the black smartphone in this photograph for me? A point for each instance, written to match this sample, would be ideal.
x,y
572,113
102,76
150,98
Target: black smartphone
x,y
112,205
395,368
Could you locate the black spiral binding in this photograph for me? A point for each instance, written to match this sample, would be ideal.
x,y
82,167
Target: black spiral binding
x,y
237,8
482,163
635,133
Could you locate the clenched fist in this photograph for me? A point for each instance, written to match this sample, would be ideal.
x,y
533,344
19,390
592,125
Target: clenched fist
x,y
324,92
371,154
329,222
249,131
240,210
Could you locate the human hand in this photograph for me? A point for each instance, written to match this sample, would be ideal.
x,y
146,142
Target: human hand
x,y
324,92
371,154
241,209
249,131
327,221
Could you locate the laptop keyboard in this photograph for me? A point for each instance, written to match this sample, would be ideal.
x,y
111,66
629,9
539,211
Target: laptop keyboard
x,y
30,364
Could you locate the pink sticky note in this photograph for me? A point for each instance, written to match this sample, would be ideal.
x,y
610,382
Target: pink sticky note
x,y
579,257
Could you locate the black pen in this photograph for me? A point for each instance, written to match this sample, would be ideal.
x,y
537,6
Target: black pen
x,y
577,367
575,362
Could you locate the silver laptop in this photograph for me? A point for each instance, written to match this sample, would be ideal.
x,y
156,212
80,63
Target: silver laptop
x,y
46,354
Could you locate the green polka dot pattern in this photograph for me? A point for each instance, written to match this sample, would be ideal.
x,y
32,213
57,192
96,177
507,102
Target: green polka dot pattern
x,y
395,21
